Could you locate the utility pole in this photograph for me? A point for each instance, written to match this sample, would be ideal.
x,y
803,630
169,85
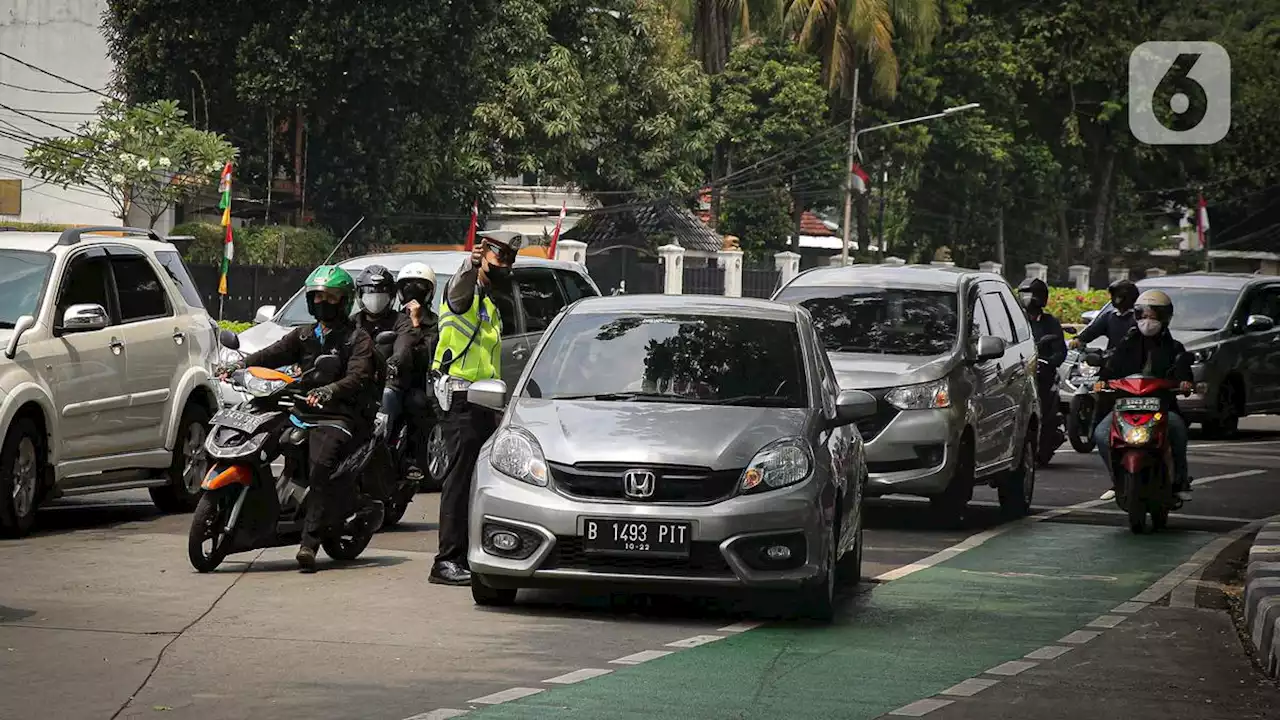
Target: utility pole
x,y
848,188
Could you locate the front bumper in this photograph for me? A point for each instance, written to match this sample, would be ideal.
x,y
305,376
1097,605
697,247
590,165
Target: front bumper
x,y
720,534
915,454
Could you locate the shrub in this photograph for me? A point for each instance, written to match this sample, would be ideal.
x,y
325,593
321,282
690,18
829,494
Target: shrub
x,y
34,227
258,244
1067,304
233,326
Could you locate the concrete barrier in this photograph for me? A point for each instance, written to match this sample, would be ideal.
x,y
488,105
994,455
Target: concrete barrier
x,y
1262,597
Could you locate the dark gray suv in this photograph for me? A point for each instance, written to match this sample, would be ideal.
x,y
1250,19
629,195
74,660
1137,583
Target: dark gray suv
x,y
948,354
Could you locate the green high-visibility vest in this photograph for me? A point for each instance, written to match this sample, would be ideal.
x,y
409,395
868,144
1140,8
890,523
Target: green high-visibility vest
x,y
483,359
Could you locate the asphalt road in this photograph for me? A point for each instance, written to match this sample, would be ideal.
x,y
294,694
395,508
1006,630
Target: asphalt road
x,y
101,617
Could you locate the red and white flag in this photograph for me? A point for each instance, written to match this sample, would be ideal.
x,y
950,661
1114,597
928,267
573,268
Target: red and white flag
x,y
1202,223
471,232
861,179
555,234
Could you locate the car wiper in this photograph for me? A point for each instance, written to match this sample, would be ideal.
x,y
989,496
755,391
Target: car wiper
x,y
752,400
622,397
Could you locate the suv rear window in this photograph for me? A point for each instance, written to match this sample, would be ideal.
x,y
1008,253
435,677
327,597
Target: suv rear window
x,y
173,266
888,321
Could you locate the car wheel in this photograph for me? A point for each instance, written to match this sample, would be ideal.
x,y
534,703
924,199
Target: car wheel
x,y
1226,418
1019,485
486,595
818,599
948,508
850,567
438,460
21,463
190,463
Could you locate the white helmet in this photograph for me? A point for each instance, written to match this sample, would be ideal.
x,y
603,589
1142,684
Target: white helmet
x,y
419,275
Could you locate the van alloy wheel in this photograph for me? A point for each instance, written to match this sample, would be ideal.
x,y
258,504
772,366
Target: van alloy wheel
x,y
26,478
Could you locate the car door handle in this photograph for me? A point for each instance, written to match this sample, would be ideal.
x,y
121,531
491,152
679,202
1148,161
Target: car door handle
x,y
179,337
116,346
519,353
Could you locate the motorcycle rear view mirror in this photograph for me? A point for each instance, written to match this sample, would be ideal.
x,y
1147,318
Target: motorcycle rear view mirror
x,y
386,337
229,340
1093,358
1046,343
326,368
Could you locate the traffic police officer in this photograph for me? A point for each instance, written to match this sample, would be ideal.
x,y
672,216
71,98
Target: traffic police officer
x,y
469,349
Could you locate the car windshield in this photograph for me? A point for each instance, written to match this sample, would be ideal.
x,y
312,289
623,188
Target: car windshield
x,y
889,321
1199,309
23,274
678,358
295,311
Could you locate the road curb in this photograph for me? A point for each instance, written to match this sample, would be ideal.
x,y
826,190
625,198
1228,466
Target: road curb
x,y
1262,597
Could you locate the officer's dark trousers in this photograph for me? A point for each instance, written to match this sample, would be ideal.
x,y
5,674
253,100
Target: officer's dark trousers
x,y
330,500
466,427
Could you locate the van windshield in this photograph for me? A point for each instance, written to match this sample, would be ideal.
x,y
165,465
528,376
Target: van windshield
x,y
887,321
23,274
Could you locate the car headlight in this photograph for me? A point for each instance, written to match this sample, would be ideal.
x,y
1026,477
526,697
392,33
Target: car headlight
x,y
780,463
924,396
227,355
1137,435
1203,355
517,454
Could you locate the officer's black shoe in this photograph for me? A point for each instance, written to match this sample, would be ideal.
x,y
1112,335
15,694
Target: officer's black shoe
x,y
306,558
449,573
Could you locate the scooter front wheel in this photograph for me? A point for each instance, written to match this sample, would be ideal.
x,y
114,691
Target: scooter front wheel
x,y
208,539
347,547
1080,423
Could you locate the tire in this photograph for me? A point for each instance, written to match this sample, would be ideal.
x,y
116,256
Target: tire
x,y
1136,508
1018,486
1160,519
212,511
22,462
438,460
817,600
1226,419
1079,419
849,570
948,508
395,512
485,595
346,548
189,465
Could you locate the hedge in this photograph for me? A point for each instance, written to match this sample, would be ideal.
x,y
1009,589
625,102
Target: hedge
x,y
233,326
1067,304
258,244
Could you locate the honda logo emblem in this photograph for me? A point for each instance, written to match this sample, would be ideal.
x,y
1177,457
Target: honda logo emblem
x,y
638,483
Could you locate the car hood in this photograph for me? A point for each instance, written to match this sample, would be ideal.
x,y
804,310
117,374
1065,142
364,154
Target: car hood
x,y
1195,339
861,371
720,438
260,336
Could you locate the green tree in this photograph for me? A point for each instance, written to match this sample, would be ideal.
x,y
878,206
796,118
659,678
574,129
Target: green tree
x,y
144,155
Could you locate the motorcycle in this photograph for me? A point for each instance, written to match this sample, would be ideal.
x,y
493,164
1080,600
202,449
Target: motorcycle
x,y
243,506
1051,435
398,445
1082,412
1141,456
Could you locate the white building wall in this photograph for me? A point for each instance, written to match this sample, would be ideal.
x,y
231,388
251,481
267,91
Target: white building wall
x,y
65,38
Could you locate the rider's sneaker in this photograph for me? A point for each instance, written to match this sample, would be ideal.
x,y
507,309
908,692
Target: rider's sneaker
x,y
1108,495
306,558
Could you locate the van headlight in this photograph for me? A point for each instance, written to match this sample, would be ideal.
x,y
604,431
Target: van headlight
x,y
780,463
515,453
925,396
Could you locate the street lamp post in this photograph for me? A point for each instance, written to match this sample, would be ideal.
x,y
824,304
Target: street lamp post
x,y
853,151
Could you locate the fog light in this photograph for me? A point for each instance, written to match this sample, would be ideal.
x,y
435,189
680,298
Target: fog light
x,y
505,541
778,552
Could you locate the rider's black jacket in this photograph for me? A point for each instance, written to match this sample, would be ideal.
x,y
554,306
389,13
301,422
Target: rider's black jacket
x,y
1111,324
1166,356
353,346
1046,324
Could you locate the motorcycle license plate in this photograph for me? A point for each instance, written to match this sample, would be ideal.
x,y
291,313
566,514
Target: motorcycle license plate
x,y
239,420
1138,404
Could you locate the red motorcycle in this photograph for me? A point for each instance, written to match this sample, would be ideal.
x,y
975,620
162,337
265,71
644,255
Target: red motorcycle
x,y
1141,458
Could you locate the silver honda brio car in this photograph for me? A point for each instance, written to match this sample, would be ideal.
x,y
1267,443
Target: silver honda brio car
x,y
674,442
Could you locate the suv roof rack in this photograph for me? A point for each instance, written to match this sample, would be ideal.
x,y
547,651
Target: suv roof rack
x,y
71,236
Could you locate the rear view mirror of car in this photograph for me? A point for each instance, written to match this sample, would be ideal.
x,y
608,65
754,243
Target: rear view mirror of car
x,y
23,324
229,340
854,405
84,318
990,347
491,394
264,314
1259,323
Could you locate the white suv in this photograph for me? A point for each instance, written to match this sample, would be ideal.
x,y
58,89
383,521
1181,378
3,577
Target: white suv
x,y
104,380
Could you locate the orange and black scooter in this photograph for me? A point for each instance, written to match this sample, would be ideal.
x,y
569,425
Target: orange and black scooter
x,y
244,506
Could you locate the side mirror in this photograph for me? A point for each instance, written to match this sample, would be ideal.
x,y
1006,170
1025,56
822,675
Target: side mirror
x,y
1046,343
386,337
84,318
264,314
990,347
24,323
491,394
229,340
1094,358
852,406
327,368
1259,323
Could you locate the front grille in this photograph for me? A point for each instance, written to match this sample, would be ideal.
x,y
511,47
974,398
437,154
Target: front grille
x,y
704,560
672,484
871,427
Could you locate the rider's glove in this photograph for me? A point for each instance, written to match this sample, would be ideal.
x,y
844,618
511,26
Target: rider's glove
x,y
224,369
321,395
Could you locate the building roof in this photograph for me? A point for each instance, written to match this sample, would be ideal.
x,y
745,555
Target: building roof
x,y
636,224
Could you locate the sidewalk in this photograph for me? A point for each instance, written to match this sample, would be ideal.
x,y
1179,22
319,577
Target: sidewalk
x,y
1161,663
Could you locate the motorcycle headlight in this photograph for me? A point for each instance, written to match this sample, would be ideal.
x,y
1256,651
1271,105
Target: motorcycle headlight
x,y
925,396
517,454
780,463
1088,371
259,387
1137,435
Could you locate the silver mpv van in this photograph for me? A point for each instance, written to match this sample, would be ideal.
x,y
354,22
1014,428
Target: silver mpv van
x,y
949,357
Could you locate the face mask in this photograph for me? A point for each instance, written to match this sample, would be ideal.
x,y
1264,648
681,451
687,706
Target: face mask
x,y
1030,303
1150,328
327,312
375,302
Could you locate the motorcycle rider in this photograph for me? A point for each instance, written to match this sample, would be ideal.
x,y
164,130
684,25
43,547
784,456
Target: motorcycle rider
x,y
1114,322
330,294
416,286
376,289
1150,349
1034,294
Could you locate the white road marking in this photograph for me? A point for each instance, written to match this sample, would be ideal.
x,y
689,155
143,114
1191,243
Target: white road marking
x,y
1184,590
1048,652
640,657
1228,476
1011,668
920,708
969,687
577,676
740,627
438,714
695,641
1106,621
1129,607
1245,443
507,695
1080,637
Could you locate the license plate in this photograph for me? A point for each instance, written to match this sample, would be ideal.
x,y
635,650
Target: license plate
x,y
238,420
1147,404
636,537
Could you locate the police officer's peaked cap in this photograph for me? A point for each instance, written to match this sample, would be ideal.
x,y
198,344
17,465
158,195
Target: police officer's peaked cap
x,y
506,238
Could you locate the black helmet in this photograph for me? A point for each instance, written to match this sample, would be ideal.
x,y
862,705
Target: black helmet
x,y
1034,294
375,287
1123,294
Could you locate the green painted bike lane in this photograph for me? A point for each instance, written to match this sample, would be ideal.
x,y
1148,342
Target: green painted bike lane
x,y
903,641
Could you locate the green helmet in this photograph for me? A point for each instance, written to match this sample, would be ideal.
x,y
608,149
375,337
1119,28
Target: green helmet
x,y
334,279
